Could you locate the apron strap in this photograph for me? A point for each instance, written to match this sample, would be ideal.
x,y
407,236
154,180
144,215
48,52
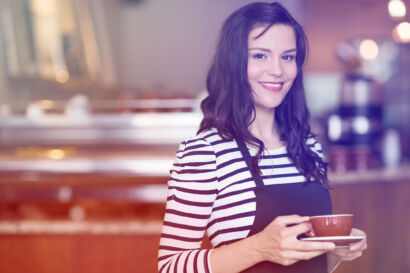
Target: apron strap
x,y
248,159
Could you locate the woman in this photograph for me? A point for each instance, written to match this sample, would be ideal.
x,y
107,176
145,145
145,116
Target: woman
x,y
254,172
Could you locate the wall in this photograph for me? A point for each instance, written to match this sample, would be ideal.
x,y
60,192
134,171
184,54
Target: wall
x,y
331,22
170,44
3,81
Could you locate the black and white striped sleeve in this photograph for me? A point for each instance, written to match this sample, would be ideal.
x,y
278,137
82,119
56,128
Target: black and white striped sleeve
x,y
192,189
316,147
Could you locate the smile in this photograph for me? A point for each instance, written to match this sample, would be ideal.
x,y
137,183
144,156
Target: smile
x,y
272,86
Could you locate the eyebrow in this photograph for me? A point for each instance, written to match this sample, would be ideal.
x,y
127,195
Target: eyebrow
x,y
268,50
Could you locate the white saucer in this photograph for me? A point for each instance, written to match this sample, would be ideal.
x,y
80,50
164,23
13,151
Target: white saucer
x,y
338,240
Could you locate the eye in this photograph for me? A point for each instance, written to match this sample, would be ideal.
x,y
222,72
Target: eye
x,y
259,56
289,57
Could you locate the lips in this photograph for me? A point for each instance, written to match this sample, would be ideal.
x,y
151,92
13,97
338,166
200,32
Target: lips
x,y
272,86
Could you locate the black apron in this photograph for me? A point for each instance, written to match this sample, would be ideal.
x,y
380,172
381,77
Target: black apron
x,y
305,199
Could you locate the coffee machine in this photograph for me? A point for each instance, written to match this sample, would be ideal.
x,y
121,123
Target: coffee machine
x,y
355,128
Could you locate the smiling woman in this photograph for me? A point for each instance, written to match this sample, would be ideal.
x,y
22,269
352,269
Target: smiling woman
x,y
254,171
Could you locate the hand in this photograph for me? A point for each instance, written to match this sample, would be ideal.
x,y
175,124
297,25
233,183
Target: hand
x,y
278,242
355,250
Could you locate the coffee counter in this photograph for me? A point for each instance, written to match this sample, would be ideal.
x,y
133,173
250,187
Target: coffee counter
x,y
83,214
135,162
401,173
101,227
124,179
88,195
62,208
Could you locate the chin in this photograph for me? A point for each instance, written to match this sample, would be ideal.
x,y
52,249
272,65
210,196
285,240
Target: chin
x,y
268,106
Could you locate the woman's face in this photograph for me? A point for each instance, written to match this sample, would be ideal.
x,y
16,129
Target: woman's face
x,y
271,64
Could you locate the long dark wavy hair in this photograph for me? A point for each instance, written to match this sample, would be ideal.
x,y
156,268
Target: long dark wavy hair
x,y
229,106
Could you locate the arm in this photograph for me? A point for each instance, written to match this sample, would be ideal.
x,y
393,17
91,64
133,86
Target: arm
x,y
191,193
277,243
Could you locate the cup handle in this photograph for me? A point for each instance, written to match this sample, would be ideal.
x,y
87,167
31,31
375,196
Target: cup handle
x,y
310,233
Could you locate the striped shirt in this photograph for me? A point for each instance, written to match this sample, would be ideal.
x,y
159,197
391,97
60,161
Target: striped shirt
x,y
211,190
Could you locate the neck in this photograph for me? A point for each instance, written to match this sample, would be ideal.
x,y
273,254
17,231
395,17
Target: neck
x,y
263,128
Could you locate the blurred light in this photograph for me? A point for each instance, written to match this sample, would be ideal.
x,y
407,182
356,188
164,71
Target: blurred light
x,y
149,193
334,127
64,194
34,111
361,125
77,213
397,9
56,154
62,76
168,120
345,51
388,50
369,49
43,7
47,104
401,33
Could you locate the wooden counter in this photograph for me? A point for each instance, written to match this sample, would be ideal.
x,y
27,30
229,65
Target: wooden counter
x,y
381,209
79,253
120,230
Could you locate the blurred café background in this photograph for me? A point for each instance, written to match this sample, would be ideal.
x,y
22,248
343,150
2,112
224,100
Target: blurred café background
x,y
95,96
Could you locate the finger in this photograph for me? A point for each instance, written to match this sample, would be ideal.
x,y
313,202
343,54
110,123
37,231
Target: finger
x,y
359,245
290,219
346,254
351,250
351,256
297,229
342,251
313,246
348,258
288,262
356,232
303,255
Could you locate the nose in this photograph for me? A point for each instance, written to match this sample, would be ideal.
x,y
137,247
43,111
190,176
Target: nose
x,y
275,68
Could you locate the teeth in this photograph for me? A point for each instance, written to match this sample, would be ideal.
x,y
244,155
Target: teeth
x,y
272,84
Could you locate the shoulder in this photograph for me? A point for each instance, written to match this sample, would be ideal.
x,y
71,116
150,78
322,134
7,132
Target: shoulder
x,y
201,142
314,145
197,148
195,163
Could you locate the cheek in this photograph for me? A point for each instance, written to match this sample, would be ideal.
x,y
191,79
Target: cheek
x,y
254,71
292,72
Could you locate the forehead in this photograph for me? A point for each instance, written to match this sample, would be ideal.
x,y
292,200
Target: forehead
x,y
278,35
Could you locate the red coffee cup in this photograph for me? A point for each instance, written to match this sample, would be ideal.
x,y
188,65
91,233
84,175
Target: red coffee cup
x,y
330,225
